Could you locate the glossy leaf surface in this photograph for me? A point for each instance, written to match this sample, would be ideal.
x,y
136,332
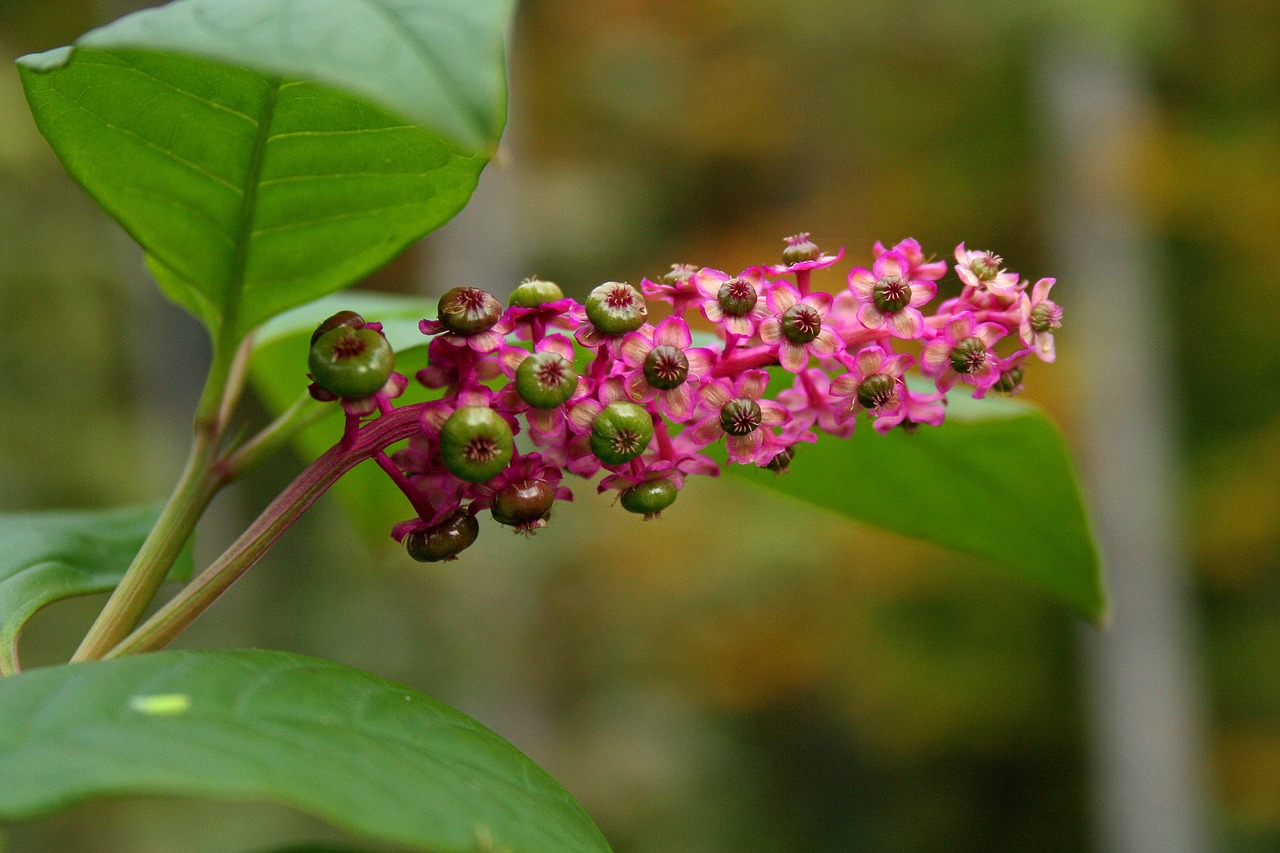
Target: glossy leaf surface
x,y
377,759
266,152
48,556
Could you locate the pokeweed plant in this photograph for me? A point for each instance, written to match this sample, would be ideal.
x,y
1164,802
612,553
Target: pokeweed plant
x,y
268,153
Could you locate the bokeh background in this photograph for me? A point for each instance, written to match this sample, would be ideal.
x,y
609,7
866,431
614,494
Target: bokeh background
x,y
750,674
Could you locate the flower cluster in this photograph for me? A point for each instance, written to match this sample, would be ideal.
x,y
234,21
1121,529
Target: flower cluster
x,y
603,385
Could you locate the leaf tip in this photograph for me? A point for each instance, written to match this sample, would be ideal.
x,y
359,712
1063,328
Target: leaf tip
x,y
50,60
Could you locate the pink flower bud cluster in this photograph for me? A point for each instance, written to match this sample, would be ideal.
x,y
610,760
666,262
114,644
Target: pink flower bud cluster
x,y
846,354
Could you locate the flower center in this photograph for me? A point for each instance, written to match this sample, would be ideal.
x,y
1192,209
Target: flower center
x,y
737,297
627,442
551,371
666,367
985,265
891,294
481,448
877,390
348,346
740,416
1046,317
968,355
801,323
620,297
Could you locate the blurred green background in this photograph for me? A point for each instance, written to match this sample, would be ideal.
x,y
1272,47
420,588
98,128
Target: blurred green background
x,y
748,674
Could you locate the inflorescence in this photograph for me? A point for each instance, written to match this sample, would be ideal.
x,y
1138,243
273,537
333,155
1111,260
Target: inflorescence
x,y
598,385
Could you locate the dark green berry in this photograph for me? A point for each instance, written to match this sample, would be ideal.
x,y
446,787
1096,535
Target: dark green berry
x,y
620,433
523,504
737,297
799,249
476,443
877,390
1009,380
650,497
351,363
544,380
616,308
968,355
445,541
781,463
666,367
741,416
347,319
469,310
891,294
533,292
801,323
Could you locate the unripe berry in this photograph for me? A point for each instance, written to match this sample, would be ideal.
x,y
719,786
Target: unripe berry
x,y
616,308
799,249
475,443
523,504
445,541
533,292
620,433
891,294
666,367
801,323
544,380
968,355
737,297
351,363
1009,380
741,416
469,310
781,463
650,497
349,319
877,390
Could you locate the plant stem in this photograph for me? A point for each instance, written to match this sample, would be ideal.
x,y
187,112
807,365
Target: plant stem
x,y
301,414
195,598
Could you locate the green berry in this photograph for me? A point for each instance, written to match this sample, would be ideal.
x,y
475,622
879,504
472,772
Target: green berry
x,y
616,308
445,541
621,432
801,323
968,355
349,319
533,292
351,363
650,497
877,390
799,249
475,443
737,297
741,416
469,310
666,367
544,380
781,463
523,504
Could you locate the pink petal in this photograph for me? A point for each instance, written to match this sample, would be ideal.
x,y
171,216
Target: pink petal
x,y
742,448
897,365
868,362
794,357
677,403
960,326
707,430
826,344
771,331
1045,347
638,388
583,415
869,315
485,342
782,297
558,344
712,311
635,349
935,358
672,332
845,385
716,394
543,420
751,384
921,292
907,323
819,300
701,360
891,264
989,333
773,413
862,283
708,282
738,325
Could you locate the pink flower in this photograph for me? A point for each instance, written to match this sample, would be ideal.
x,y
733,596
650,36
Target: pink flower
x,y
1011,372
890,298
662,366
740,414
813,401
735,302
676,288
509,399
798,329
962,353
982,270
532,323
799,242
910,249
1040,316
875,384
480,342
923,409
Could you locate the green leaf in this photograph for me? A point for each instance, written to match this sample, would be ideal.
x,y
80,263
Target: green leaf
x,y
267,152
995,480
278,373
379,760
48,556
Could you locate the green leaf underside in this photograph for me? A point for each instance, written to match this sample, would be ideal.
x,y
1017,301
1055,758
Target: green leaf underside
x,y
249,194
278,374
372,757
995,481
48,556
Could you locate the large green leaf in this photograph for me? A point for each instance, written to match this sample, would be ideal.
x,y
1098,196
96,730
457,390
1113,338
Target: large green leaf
x,y
278,373
995,480
378,759
266,152
48,556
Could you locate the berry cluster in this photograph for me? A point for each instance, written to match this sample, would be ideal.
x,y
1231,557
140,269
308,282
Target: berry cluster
x,y
597,385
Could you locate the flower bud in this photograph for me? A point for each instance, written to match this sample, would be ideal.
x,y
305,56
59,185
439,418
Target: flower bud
x,y
666,367
616,308
800,249
1009,380
445,541
985,265
1045,317
620,433
781,463
469,310
968,355
544,380
522,505
877,390
533,292
737,297
740,416
349,319
679,272
351,363
649,498
475,443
